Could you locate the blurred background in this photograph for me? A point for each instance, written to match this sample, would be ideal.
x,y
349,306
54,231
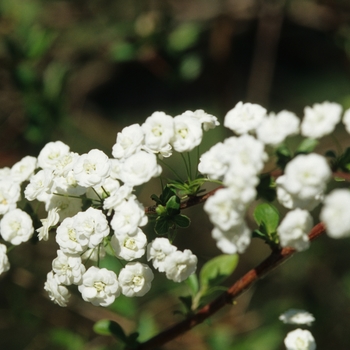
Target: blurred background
x,y
79,71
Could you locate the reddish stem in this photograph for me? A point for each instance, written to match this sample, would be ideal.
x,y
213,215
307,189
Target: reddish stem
x,y
275,259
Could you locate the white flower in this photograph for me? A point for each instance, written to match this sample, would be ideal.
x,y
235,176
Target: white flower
x,y
92,168
16,227
68,269
65,163
235,240
135,279
66,206
346,120
275,128
51,153
4,261
58,294
67,185
40,185
215,162
139,168
158,130
99,286
179,265
294,228
300,339
91,226
321,119
10,193
244,117
66,237
224,210
128,216
294,316
51,220
306,177
5,173
188,132
24,169
128,142
118,197
129,247
158,250
335,213
208,121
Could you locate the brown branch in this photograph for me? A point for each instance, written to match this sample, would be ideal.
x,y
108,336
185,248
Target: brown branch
x,y
275,259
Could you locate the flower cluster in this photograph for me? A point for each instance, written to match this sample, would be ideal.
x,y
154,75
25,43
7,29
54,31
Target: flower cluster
x,y
65,182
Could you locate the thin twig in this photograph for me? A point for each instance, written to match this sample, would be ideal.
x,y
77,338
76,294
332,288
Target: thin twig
x,y
275,259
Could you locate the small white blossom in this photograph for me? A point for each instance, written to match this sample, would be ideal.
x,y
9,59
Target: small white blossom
x,y
129,141
139,168
51,153
16,227
128,216
320,119
68,269
40,185
274,129
118,197
304,180
188,132
4,261
100,287
66,238
24,169
135,279
224,210
179,265
65,163
244,117
5,173
92,168
51,220
10,193
294,228
57,293
129,247
91,226
335,213
158,250
67,185
235,240
299,339
295,316
158,130
208,121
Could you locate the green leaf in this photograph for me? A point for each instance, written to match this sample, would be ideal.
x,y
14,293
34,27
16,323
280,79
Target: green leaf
x,y
217,270
193,283
267,217
108,327
166,194
182,220
162,226
307,146
173,205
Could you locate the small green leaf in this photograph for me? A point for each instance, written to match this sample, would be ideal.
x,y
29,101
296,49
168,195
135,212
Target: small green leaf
x,y
307,146
182,220
108,327
267,217
156,199
161,210
161,226
193,283
217,270
166,194
173,205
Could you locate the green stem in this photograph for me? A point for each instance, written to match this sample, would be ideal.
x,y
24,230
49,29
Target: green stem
x,y
186,165
171,169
